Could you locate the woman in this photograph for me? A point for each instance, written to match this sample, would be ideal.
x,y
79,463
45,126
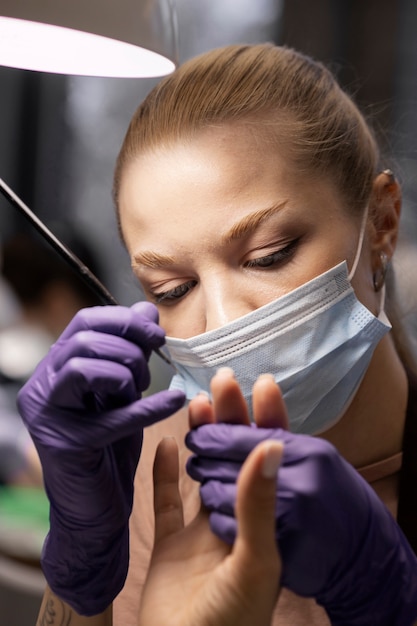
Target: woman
x,y
261,223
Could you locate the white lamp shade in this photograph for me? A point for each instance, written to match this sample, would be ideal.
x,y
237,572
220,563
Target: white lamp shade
x,y
123,38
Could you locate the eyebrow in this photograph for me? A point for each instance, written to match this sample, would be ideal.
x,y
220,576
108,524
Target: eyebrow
x,y
246,226
153,260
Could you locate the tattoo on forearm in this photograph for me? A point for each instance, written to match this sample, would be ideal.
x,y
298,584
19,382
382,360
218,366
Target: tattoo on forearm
x,y
54,613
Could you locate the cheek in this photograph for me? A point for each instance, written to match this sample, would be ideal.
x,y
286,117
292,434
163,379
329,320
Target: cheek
x,y
220,300
181,321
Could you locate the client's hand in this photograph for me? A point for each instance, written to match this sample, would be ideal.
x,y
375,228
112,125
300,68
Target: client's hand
x,y
84,411
196,579
337,540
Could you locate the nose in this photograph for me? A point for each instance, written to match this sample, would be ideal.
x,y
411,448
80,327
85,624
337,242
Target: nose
x,y
224,301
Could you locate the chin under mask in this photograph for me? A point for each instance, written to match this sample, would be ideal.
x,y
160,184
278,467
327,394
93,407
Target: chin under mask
x,y
317,342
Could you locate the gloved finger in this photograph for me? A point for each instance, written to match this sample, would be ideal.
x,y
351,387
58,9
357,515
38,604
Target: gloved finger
x,y
72,433
92,385
229,441
147,309
125,421
224,526
95,345
218,496
160,405
201,469
137,324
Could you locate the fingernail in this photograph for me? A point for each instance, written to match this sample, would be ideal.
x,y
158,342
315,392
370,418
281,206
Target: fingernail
x,y
266,377
226,372
203,396
272,459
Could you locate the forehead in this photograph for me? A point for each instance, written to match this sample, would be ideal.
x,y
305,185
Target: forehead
x,y
208,180
231,156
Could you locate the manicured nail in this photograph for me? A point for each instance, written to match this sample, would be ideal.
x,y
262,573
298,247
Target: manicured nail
x,y
272,459
226,372
266,377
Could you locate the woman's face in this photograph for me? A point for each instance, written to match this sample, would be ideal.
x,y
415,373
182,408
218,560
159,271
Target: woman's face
x,y
222,224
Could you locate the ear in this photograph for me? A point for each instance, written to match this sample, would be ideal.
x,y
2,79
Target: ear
x,y
384,213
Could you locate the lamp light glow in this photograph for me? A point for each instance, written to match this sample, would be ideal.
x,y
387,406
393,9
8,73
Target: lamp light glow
x,y
129,39
42,47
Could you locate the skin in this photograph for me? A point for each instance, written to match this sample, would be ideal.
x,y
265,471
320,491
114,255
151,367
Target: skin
x,y
194,578
184,213
55,612
228,404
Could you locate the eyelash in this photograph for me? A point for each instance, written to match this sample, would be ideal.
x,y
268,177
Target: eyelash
x,y
270,260
174,294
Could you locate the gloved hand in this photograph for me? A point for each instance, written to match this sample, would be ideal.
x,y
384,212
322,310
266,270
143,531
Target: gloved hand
x,y
83,409
338,542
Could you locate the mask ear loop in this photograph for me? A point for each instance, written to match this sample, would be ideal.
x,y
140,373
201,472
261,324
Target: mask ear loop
x,y
357,257
382,303
360,244
381,288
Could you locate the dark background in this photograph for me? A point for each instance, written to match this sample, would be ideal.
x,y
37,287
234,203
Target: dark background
x,y
59,135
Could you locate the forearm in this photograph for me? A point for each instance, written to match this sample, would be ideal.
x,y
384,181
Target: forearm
x,y
55,612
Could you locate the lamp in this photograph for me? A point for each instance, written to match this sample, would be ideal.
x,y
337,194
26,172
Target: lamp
x,y
109,38
124,39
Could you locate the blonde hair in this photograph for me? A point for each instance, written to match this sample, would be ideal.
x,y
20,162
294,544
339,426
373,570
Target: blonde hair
x,y
296,100
282,95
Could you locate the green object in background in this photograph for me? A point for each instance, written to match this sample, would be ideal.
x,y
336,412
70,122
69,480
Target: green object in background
x,y
24,521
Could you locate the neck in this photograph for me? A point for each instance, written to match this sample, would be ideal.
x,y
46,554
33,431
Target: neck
x,y
372,427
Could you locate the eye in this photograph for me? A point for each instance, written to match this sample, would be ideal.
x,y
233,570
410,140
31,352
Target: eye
x,y
173,294
271,260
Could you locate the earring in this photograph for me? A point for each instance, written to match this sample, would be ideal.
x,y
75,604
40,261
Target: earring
x,y
379,275
390,175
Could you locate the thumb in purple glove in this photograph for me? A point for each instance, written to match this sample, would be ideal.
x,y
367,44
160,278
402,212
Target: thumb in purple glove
x,y
83,409
337,540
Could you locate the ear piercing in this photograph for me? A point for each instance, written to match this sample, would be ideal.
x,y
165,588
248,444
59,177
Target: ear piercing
x,y
390,175
380,274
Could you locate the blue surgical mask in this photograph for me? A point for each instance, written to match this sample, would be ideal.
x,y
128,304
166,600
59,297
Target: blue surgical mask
x,y
317,342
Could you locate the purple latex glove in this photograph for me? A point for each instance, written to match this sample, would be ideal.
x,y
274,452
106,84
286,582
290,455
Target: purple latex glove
x,y
83,409
338,542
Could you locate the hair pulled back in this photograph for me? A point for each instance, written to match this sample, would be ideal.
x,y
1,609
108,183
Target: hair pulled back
x,y
283,96
279,92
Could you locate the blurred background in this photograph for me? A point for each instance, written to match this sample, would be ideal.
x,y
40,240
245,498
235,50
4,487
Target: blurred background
x,y
60,135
